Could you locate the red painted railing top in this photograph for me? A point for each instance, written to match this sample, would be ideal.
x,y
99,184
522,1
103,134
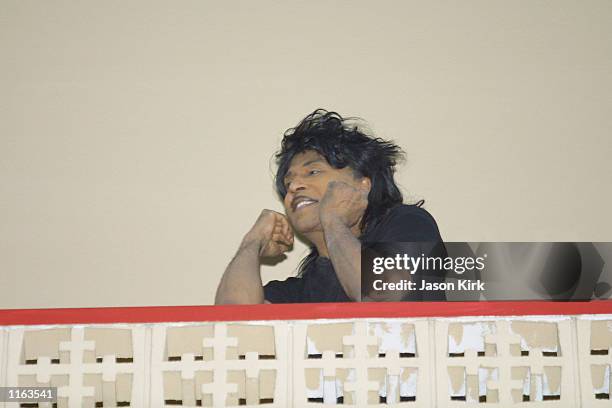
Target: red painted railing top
x,y
158,314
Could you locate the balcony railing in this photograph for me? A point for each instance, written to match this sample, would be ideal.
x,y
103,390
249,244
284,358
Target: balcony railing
x,y
454,354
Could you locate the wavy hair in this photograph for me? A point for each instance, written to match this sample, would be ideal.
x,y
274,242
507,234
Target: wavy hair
x,y
342,144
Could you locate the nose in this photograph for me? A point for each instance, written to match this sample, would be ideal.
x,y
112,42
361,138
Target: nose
x,y
296,185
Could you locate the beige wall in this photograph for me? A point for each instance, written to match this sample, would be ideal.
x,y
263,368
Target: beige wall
x,y
135,137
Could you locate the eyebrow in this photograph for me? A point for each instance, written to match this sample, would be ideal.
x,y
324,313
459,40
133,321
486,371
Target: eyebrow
x,y
308,163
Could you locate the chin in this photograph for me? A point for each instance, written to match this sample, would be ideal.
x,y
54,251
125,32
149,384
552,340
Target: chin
x,y
305,226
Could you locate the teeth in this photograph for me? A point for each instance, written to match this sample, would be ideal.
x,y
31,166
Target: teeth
x,y
303,203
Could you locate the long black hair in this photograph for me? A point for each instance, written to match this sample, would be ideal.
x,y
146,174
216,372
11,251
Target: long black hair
x,y
343,144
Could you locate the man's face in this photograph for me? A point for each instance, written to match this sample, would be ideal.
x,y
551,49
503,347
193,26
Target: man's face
x,y
306,182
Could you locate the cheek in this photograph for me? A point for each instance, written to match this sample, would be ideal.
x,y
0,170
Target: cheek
x,y
321,185
287,203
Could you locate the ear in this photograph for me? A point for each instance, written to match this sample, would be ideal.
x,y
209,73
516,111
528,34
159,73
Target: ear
x,y
366,184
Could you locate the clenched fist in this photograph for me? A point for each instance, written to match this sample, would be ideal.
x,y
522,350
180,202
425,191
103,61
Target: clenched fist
x,y
344,203
271,233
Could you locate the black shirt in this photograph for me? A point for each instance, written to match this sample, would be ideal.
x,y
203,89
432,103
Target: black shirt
x,y
319,283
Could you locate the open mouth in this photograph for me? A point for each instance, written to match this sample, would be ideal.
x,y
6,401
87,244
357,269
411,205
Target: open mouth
x,y
301,202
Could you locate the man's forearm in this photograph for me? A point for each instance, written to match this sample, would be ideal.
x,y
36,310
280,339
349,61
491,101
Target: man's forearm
x,y
241,282
345,253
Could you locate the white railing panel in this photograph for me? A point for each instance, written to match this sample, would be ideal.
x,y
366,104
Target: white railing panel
x,y
522,361
594,359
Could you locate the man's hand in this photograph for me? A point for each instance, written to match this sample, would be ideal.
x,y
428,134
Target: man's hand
x,y
344,203
271,234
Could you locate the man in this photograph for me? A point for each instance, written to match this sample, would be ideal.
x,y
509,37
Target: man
x,y
338,191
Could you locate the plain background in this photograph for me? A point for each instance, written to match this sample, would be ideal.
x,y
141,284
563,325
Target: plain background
x,y
136,136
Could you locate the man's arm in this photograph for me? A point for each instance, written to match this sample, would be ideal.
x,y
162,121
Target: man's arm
x,y
345,253
241,282
341,210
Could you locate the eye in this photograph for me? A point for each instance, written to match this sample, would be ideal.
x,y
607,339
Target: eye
x,y
314,171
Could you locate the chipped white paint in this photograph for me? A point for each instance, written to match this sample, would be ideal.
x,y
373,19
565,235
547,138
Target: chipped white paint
x,y
472,338
391,338
586,362
73,392
408,388
389,359
605,386
498,391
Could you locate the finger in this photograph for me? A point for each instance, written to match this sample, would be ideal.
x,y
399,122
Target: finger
x,y
277,217
276,213
339,185
284,248
271,214
280,239
290,235
286,229
280,223
282,219
280,246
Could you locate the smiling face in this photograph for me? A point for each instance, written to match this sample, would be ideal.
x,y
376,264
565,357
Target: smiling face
x,y
306,183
